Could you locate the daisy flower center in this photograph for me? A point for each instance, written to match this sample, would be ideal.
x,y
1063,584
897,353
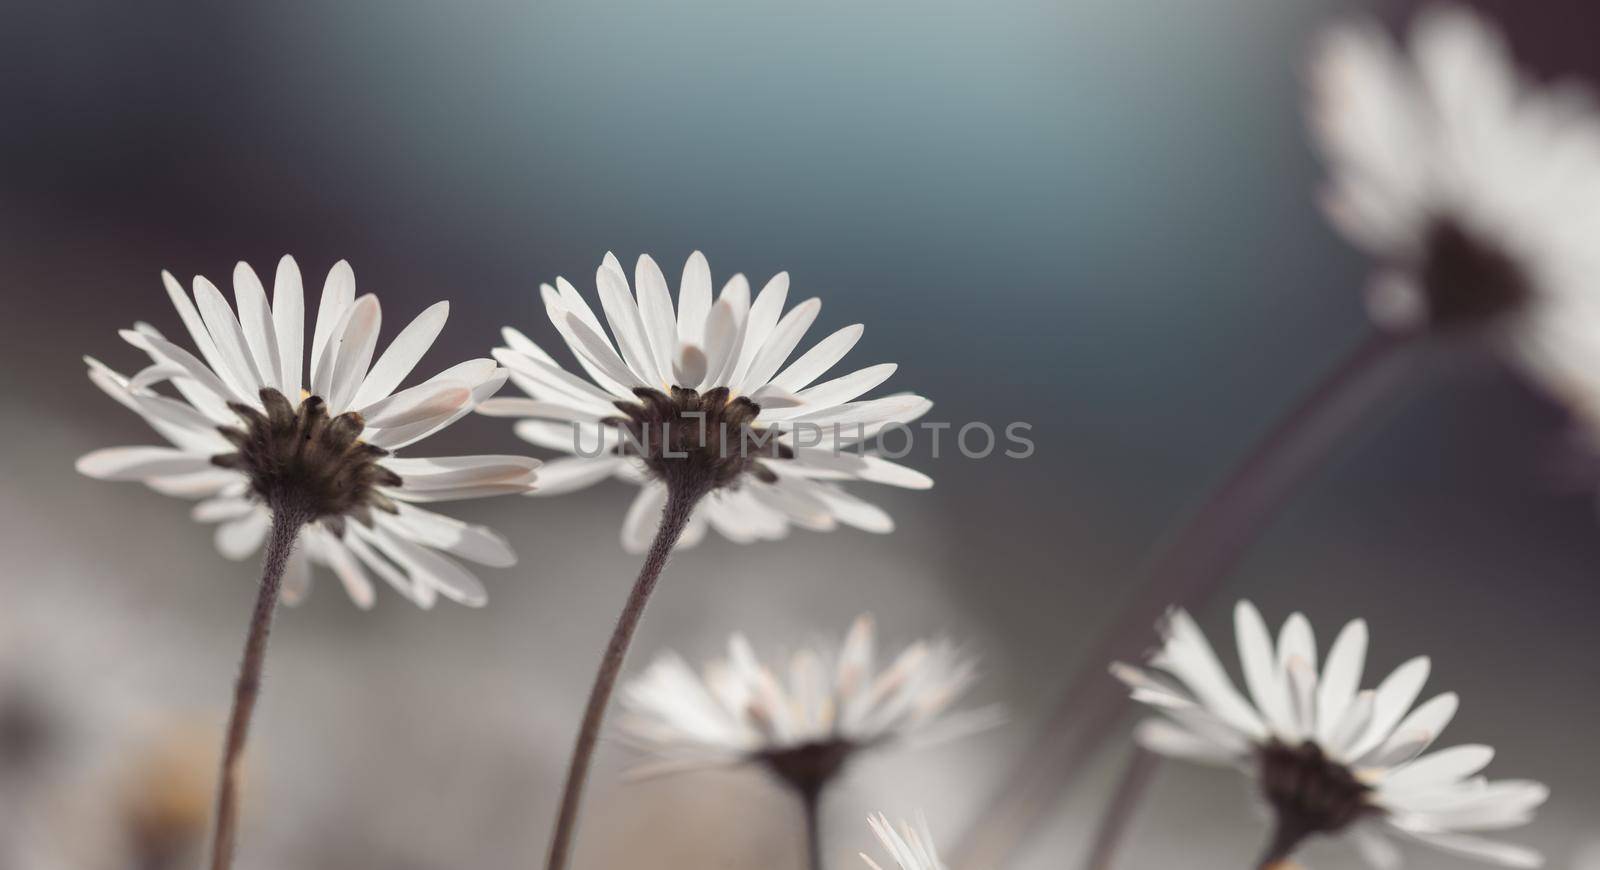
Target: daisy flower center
x,y
302,459
809,766
1468,280
1310,793
698,440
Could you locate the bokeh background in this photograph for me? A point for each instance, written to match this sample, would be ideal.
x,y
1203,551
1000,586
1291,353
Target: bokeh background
x,y
1096,216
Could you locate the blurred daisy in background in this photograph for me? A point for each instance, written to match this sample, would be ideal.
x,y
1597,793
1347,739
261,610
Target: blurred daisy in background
x,y
247,429
806,730
911,848
1475,189
1328,757
764,443
803,729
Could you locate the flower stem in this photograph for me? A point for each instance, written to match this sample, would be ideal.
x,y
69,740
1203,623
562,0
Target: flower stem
x,y
810,801
681,499
286,523
1136,777
1185,569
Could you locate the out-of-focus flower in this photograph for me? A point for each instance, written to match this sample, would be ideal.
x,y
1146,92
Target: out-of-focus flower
x,y
166,796
1477,190
696,396
803,730
911,848
249,434
1328,757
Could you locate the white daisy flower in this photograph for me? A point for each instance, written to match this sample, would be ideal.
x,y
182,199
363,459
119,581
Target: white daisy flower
x,y
911,848
1477,190
248,433
1328,757
803,730
761,442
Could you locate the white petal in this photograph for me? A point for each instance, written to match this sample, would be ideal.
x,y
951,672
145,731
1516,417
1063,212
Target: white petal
x,y
449,579
570,474
1395,696
723,334
347,568
1426,722
867,412
350,353
238,367
477,543
759,325
690,365
1351,725
402,355
596,351
1439,768
1505,854
451,471
556,308
255,317
166,351
1188,656
1165,738
627,327
794,502
879,470
1341,677
238,539
1296,640
525,345
487,377
421,402
199,484
382,566
338,293
775,398
848,387
296,578
192,322
216,510
854,512
138,463
1262,676
545,380
655,310
780,344
289,322
1375,848
694,299
643,518
181,423
815,362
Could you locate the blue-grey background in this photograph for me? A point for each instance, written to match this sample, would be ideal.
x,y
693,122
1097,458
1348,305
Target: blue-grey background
x,y
1096,216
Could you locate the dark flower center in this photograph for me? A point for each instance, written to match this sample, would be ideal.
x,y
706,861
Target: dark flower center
x,y
808,767
304,460
1468,280
697,440
1309,793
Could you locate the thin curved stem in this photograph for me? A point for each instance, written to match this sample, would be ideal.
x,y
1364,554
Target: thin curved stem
x,y
1190,564
1137,775
286,523
681,500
